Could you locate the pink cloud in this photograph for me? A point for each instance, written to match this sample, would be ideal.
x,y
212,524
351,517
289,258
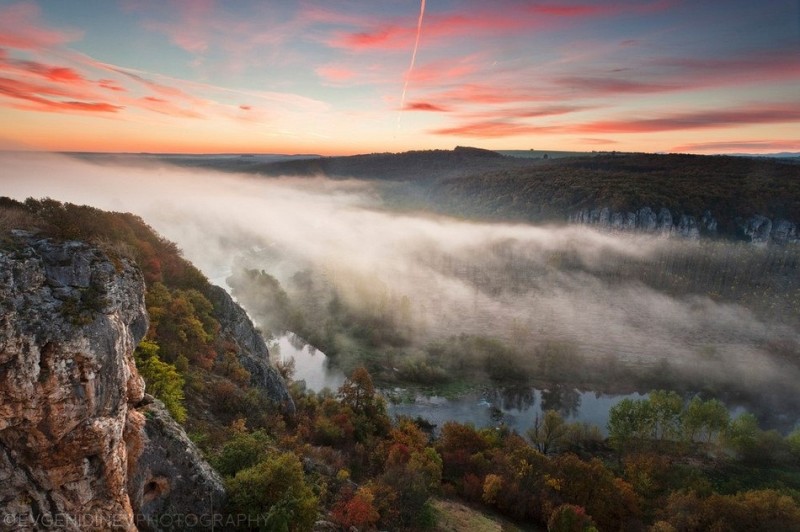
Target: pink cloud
x,y
425,106
600,86
491,129
385,37
760,67
35,97
20,28
111,85
335,74
476,93
53,73
379,34
598,141
527,112
697,120
167,107
759,146
603,9
575,10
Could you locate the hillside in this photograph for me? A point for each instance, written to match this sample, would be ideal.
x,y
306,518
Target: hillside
x,y
731,188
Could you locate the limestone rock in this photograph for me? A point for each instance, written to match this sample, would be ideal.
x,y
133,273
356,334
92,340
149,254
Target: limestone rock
x,y
757,229
75,453
70,321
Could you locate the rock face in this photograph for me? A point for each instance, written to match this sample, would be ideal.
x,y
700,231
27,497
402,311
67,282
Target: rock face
x,y
756,229
252,350
70,433
171,478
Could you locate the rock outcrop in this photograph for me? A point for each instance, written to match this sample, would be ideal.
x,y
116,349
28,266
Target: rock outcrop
x,y
756,229
71,437
171,481
251,348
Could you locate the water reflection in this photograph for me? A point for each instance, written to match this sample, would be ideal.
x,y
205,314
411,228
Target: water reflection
x,y
517,397
310,364
563,399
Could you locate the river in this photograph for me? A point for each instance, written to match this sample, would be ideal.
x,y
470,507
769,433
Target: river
x,y
515,407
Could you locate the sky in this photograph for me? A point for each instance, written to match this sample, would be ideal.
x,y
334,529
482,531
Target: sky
x,y
346,77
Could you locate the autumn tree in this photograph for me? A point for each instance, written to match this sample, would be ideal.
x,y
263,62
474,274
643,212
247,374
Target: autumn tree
x,y
358,393
356,509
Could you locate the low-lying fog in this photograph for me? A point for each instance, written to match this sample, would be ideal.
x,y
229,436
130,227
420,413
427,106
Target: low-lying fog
x,y
458,277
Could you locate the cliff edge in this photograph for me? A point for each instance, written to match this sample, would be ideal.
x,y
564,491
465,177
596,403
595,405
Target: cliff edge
x,y
76,440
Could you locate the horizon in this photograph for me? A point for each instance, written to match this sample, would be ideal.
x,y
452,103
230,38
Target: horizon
x,y
204,77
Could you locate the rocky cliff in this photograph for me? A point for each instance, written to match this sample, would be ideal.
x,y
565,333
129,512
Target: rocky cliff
x,y
251,350
756,229
78,449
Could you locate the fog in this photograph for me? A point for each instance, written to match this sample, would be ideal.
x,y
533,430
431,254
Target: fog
x,y
501,280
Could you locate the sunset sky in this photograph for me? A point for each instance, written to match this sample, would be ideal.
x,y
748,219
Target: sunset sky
x,y
336,77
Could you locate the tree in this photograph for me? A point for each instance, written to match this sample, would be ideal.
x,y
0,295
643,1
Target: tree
x,y
274,487
162,379
628,420
793,442
665,408
709,417
357,391
570,518
358,510
742,435
240,452
549,433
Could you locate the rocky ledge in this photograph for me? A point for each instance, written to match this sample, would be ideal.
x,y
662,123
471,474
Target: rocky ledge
x,y
79,449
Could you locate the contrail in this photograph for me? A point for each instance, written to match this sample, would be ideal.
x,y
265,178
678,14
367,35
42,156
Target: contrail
x,y
413,58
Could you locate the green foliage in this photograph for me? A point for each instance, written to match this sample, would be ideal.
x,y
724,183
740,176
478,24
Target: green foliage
x,y
183,322
793,443
663,416
742,435
161,379
242,451
705,417
549,433
275,487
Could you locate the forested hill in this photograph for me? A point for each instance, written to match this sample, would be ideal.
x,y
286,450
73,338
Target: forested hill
x,y
408,166
731,188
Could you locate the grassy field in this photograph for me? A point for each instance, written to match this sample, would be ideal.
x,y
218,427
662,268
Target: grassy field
x,y
456,517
